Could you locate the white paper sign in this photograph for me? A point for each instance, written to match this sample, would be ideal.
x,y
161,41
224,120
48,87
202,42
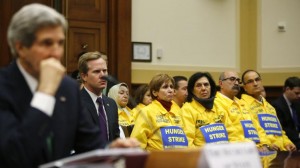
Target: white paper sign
x,y
231,155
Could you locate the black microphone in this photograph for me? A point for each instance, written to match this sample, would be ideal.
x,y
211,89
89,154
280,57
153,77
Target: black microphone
x,y
110,79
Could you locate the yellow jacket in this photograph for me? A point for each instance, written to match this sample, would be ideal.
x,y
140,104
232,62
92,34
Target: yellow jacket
x,y
157,129
265,114
137,109
125,118
207,126
242,120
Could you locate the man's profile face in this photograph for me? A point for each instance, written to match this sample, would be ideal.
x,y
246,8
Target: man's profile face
x,y
293,94
181,93
230,85
49,43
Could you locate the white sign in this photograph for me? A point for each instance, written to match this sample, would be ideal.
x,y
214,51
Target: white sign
x,y
231,155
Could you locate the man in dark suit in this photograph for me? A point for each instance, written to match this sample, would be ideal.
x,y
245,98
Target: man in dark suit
x,y
93,68
288,109
41,115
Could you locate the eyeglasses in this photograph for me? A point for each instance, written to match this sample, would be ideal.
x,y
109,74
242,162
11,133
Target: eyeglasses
x,y
251,81
233,79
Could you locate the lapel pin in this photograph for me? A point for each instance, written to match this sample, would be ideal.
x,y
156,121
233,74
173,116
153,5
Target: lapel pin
x,y
62,99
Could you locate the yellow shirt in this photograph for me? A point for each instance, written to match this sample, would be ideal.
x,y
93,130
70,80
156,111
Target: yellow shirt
x,y
157,129
137,109
242,120
125,116
265,114
198,123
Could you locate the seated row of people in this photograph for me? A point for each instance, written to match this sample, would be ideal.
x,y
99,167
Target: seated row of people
x,y
207,116
210,116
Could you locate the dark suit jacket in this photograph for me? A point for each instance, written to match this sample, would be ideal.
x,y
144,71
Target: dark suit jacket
x,y
24,129
286,120
111,109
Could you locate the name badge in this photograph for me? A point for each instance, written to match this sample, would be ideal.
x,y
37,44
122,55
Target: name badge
x,y
173,137
215,133
249,131
270,124
235,155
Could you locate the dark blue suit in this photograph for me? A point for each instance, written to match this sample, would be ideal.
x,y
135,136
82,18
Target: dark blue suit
x,y
111,109
24,129
286,120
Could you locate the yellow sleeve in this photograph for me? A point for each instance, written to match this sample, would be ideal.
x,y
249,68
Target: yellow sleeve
x,y
233,134
188,124
142,128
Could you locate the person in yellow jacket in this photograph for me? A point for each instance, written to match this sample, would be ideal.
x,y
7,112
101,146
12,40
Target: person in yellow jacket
x,y
142,98
238,111
239,114
120,93
204,121
159,125
264,112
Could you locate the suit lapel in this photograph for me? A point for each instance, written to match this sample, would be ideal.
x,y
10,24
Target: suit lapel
x,y
90,106
286,109
22,96
106,106
21,91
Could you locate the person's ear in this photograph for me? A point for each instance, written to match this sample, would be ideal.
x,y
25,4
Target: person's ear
x,y
20,49
83,77
175,91
154,93
220,83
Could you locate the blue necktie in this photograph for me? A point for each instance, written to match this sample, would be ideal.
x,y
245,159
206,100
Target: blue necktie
x,y
102,120
295,117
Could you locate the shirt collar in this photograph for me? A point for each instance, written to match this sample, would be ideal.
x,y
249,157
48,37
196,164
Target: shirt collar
x,y
93,95
287,100
30,80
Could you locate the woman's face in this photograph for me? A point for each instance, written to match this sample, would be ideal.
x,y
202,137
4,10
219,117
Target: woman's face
x,y
123,96
147,98
202,88
166,92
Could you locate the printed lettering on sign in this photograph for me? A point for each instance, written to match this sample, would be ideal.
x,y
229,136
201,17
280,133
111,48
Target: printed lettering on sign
x,y
249,131
173,137
270,124
215,133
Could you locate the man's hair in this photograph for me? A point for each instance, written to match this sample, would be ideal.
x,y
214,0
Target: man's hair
x,y
194,78
248,70
28,20
292,82
86,57
222,76
178,79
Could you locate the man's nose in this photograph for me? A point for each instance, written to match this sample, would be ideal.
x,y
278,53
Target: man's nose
x,y
57,51
170,89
